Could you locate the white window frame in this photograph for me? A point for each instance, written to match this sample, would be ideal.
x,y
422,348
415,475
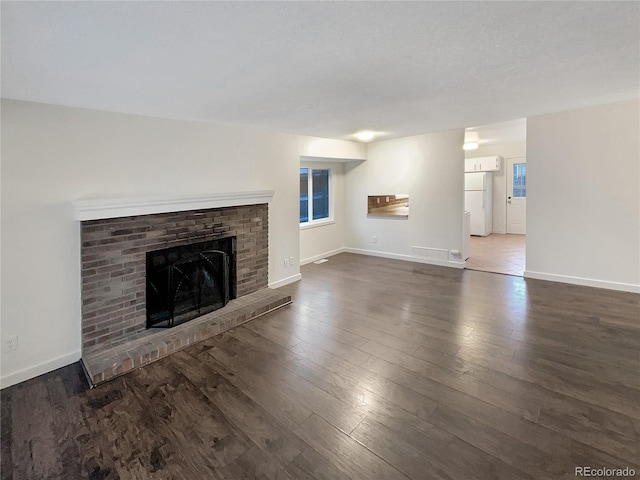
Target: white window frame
x,y
321,221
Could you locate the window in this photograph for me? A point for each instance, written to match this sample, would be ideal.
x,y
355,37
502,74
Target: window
x,y
519,180
315,196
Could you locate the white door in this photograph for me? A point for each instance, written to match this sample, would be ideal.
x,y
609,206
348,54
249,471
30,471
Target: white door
x,y
516,195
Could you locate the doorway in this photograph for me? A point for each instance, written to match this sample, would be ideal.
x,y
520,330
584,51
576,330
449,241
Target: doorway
x,y
516,173
502,248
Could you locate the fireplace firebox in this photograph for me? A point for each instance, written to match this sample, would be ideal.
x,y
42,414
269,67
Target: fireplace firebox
x,y
188,281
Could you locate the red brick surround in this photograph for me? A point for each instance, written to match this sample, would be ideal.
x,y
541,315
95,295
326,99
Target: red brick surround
x,y
114,253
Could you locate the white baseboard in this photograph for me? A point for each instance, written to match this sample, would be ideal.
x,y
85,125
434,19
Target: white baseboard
x,y
323,255
406,258
286,281
587,282
35,370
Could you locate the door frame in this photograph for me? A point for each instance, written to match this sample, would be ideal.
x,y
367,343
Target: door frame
x,y
507,175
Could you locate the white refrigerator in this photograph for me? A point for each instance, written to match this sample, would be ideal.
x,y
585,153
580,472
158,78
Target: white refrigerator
x,y
478,191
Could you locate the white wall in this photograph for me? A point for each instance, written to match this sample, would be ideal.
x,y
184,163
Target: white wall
x,y
505,150
583,206
323,240
427,167
53,155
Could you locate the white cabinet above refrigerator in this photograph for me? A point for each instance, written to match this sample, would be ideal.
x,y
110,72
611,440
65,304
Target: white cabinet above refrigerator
x,y
483,164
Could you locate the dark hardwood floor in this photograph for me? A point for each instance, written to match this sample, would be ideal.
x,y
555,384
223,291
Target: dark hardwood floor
x,y
380,369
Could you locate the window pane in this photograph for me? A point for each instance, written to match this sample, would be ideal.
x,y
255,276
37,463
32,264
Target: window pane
x,y
519,180
320,194
304,195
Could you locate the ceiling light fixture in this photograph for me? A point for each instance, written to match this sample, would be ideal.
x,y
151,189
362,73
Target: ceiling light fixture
x,y
470,146
365,135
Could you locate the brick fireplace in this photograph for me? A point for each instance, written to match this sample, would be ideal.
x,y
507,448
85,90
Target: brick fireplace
x,y
113,261
114,249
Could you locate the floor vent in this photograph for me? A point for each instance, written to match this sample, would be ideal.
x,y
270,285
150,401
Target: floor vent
x,y
322,260
431,253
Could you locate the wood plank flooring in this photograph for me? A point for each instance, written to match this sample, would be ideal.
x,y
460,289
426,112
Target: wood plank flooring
x,y
498,253
380,369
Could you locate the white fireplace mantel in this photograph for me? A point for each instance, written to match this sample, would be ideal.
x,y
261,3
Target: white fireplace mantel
x,y
126,207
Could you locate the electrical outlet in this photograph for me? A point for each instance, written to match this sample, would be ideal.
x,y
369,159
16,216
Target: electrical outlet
x,y
286,263
10,344
374,239
291,261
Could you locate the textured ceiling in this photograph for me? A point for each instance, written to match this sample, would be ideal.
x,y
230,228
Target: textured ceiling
x,y
323,68
512,131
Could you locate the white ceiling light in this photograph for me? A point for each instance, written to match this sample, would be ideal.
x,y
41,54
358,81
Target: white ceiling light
x,y
470,146
365,135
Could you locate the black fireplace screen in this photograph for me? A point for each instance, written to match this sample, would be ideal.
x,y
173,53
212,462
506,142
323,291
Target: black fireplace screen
x,y
188,281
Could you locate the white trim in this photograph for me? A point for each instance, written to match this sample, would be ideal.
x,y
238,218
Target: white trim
x,y
311,159
406,258
323,255
126,207
317,223
286,281
587,282
390,217
39,369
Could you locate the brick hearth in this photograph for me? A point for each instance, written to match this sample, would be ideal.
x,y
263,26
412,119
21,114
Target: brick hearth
x,y
103,364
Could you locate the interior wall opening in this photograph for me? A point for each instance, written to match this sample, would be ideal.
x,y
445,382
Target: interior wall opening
x,y
495,197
